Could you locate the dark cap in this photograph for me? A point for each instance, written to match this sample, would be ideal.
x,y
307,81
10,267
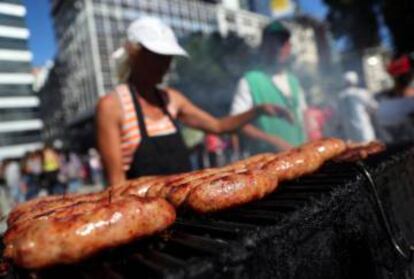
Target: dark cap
x,y
276,32
275,27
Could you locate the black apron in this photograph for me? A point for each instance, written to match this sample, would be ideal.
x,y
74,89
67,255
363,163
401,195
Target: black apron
x,y
165,154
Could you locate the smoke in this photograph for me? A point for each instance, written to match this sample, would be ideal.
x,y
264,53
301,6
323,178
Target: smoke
x,y
210,76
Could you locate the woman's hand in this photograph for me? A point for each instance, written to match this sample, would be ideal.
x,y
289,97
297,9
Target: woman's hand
x,y
277,111
281,144
257,134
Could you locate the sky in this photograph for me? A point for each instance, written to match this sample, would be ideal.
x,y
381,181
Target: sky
x,y
313,7
42,42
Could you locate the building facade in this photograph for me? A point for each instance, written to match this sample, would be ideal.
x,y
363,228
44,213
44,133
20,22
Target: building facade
x,y
89,31
51,111
374,61
20,125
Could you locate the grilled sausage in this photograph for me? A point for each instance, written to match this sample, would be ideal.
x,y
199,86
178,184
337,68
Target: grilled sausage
x,y
141,186
45,204
239,188
230,191
355,152
305,159
160,189
71,237
177,194
177,191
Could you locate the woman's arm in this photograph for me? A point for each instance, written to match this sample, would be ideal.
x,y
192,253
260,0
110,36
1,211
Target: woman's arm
x,y
109,138
257,134
195,117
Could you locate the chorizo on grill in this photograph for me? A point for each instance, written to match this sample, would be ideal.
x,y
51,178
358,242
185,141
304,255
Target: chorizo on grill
x,y
72,235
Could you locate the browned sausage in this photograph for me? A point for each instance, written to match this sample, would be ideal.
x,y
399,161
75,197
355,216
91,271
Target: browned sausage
x,y
230,191
355,152
70,238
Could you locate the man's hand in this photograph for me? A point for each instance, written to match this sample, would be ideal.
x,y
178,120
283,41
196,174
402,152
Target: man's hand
x,y
278,111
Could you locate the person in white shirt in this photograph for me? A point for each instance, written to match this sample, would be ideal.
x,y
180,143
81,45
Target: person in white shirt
x,y
356,106
272,83
13,177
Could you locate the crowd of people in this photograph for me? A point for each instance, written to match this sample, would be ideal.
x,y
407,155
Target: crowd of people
x,y
48,171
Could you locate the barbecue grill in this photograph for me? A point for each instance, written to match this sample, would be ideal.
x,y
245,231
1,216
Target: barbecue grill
x,y
348,220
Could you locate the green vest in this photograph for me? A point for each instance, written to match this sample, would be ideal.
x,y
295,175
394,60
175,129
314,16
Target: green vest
x,y
264,91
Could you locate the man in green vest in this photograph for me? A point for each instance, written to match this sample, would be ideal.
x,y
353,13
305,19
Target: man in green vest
x,y
272,83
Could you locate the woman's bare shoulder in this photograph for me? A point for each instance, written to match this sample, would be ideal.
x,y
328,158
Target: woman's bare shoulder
x,y
173,94
110,104
107,102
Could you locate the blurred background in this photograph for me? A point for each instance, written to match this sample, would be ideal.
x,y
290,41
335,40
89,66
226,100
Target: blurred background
x,y
55,63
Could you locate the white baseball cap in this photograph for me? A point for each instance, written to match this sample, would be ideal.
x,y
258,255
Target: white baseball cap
x,y
351,77
155,36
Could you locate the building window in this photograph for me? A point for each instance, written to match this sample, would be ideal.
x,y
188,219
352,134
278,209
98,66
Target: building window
x,y
13,66
15,90
10,43
19,2
10,20
20,137
14,114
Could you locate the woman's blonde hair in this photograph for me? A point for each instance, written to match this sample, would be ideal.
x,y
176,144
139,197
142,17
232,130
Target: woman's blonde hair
x,y
122,61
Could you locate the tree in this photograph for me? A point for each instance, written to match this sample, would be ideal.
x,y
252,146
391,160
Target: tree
x,y
355,22
398,16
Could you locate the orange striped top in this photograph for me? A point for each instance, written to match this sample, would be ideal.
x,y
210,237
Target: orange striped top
x,y
130,133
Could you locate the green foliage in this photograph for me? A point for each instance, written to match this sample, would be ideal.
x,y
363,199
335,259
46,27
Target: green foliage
x,y
355,22
358,22
398,16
